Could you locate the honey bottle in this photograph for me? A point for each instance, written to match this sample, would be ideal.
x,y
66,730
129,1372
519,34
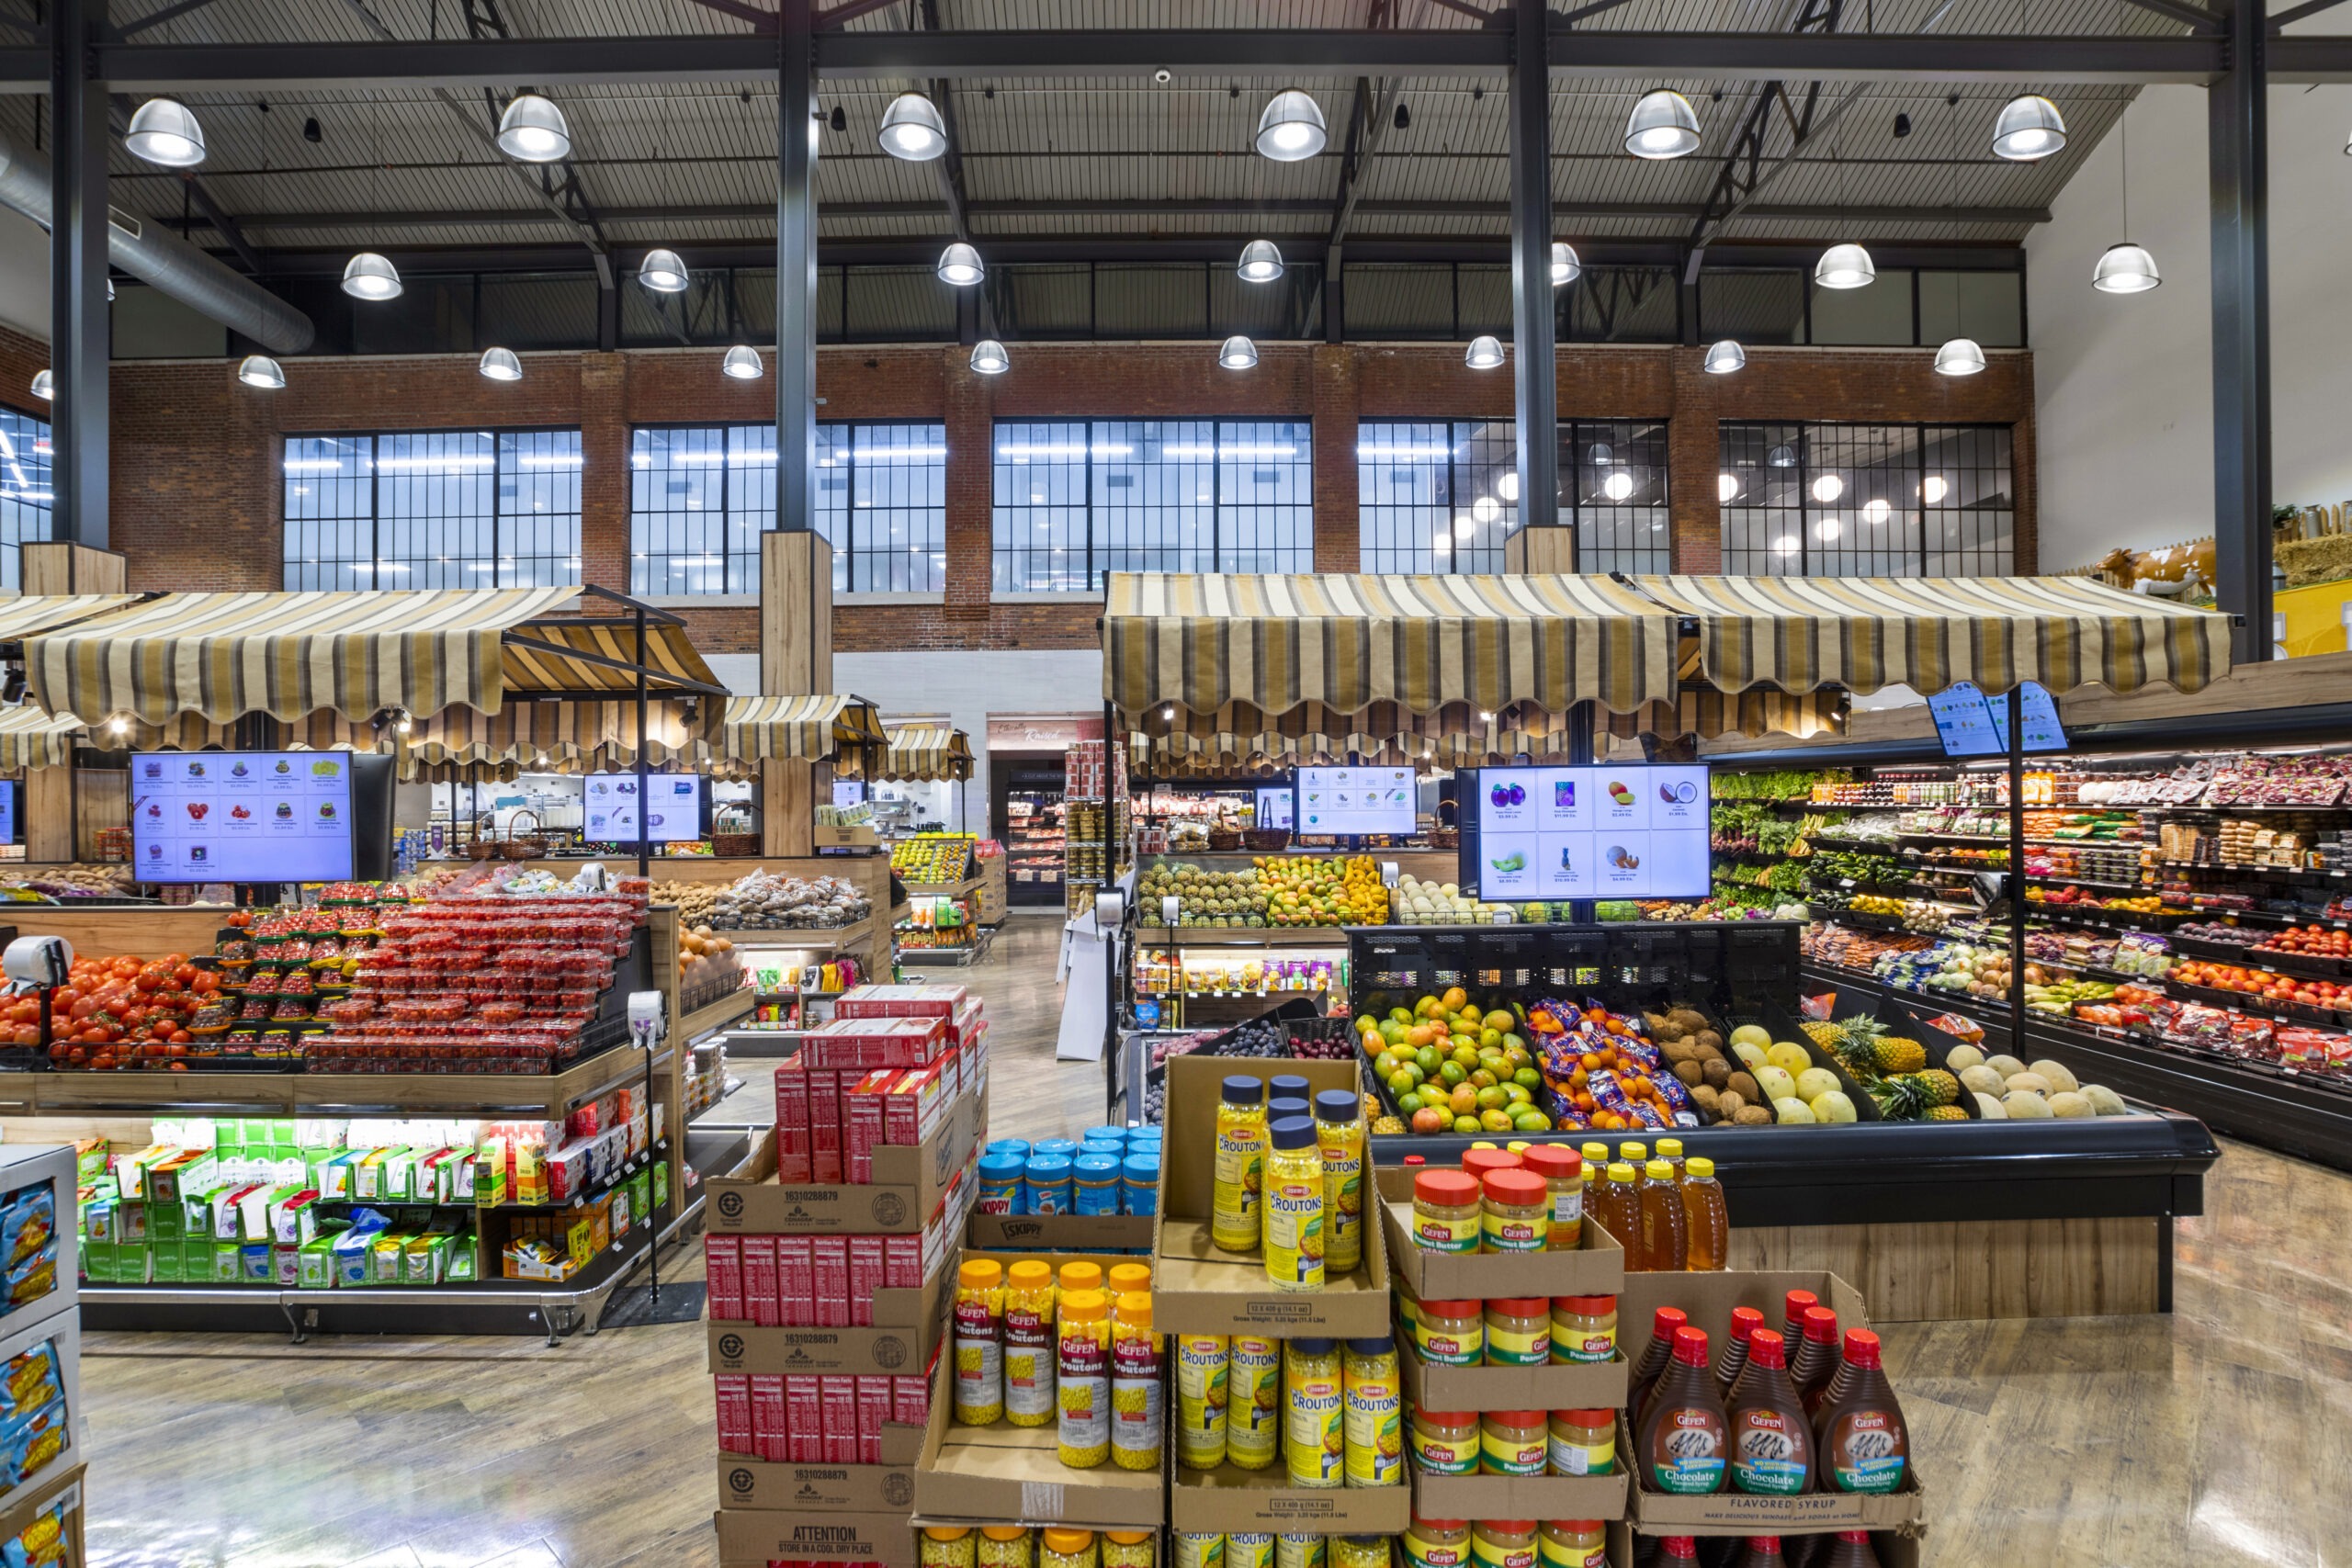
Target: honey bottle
x,y
1666,1229
1772,1445
1682,1442
1745,1321
1654,1359
1708,1215
1859,1431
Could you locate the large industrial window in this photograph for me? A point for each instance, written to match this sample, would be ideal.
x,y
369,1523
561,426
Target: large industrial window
x,y
1445,497
24,496
701,496
1075,500
1808,500
433,508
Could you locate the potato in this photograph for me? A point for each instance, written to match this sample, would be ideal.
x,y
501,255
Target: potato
x,y
1688,1073
1960,1058
1991,1109
2031,1083
1744,1086
1715,1071
2104,1100
2057,1073
1752,1116
2023,1106
2069,1106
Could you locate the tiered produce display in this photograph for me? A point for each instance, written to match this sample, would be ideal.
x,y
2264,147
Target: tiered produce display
x,y
1272,891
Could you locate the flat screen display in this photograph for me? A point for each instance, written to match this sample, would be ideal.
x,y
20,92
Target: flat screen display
x,y
1971,723
7,812
242,816
1604,832
1351,801
1275,809
673,808
848,793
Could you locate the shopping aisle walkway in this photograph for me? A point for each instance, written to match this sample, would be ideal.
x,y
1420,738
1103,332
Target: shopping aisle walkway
x,y
2220,1437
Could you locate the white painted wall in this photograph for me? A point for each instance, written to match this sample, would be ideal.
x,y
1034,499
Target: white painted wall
x,y
24,275
2123,383
968,687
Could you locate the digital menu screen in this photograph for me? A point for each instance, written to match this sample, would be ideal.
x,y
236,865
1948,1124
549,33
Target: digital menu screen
x,y
240,815
1275,808
1971,723
1351,801
1636,831
673,808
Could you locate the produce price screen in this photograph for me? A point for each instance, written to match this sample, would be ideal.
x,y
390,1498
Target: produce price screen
x,y
1354,801
674,807
241,817
1587,832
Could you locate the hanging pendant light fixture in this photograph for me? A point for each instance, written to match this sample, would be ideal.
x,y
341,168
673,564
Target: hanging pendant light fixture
x,y
1663,125
1237,352
1960,356
1844,267
534,130
989,358
164,131
1724,357
743,362
665,272
500,365
1291,127
2124,267
1486,354
2027,128
1564,265
1261,261
44,386
261,370
960,266
371,276
912,128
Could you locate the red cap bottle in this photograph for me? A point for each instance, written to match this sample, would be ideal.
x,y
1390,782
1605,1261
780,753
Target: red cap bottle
x,y
1813,1357
1676,1551
1771,1443
1683,1438
1654,1358
1745,1321
1850,1550
1763,1552
1793,1310
1859,1431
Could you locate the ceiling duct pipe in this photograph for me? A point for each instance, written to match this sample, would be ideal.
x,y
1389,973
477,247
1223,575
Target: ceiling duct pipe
x,y
162,259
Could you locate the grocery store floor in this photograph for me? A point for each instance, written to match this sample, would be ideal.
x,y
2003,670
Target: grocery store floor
x,y
2219,1436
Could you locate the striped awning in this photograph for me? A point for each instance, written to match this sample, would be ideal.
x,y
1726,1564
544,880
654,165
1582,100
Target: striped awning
x,y
1350,644
925,752
808,729
594,656
26,614
1798,634
561,737
287,655
31,739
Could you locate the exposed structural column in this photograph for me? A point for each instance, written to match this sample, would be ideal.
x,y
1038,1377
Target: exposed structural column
x,y
1535,369
795,267
77,277
2238,158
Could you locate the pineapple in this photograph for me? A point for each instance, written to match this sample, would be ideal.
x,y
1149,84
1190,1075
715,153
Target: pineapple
x,y
1895,1055
1899,1099
1946,1113
1826,1035
1938,1088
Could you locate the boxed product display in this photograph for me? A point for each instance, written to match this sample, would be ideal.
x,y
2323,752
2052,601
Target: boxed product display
x,y
748,1535
44,1529
828,1441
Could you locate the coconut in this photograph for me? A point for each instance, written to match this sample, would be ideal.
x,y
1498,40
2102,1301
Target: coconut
x,y
1708,1040
1752,1116
1690,1072
1715,1071
2060,1078
1744,1086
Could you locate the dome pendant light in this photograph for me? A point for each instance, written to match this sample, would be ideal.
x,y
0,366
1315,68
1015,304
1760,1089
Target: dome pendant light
x,y
912,128
2027,128
2124,267
1960,356
165,132
989,358
1663,125
1261,261
1486,354
371,276
960,267
1725,357
742,363
261,370
1237,352
665,272
533,130
1564,265
500,365
1844,267
1291,127
44,386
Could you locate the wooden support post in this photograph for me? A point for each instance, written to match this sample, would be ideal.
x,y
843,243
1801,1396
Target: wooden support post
x,y
58,566
796,661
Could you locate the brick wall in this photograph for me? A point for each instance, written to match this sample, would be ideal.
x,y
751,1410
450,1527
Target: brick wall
x,y
195,497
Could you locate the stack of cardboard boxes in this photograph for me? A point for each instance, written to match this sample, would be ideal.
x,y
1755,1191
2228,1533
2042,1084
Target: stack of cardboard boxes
x,y
831,1276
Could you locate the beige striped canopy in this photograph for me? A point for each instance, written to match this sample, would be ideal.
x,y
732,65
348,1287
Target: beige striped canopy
x,y
31,739
809,729
24,616
1347,643
561,737
1797,634
925,752
287,655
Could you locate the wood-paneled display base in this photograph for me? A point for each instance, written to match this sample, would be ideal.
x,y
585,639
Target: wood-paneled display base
x,y
1981,1268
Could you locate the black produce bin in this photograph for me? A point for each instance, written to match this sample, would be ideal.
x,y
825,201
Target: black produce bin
x,y
1748,964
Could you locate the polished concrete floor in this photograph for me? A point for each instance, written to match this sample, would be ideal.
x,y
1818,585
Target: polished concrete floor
x,y
2216,1437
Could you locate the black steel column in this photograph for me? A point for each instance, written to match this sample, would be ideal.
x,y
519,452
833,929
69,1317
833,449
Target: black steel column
x,y
77,280
2238,159
795,267
1534,373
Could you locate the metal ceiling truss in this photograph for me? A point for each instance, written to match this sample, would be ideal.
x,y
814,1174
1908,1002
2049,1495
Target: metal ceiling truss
x,y
1737,179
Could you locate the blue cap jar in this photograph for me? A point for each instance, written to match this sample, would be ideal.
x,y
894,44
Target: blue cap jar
x,y
1046,1187
1107,1134
1241,1089
1061,1148
1000,1178
1140,1183
1095,1183
1017,1148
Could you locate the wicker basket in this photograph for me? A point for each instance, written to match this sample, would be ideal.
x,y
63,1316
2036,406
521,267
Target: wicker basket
x,y
735,846
1225,839
1266,840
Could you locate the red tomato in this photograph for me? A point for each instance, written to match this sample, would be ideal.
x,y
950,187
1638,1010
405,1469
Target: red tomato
x,y
181,1037
184,972
205,982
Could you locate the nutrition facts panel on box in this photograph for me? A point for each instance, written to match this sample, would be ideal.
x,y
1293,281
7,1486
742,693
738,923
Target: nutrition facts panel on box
x,y
240,815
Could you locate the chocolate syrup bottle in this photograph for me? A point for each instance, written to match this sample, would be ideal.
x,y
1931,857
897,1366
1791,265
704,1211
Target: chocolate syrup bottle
x,y
1676,1551
1814,1358
1792,1310
1772,1445
1654,1358
1682,1440
1850,1550
1745,1321
1763,1552
1858,1430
